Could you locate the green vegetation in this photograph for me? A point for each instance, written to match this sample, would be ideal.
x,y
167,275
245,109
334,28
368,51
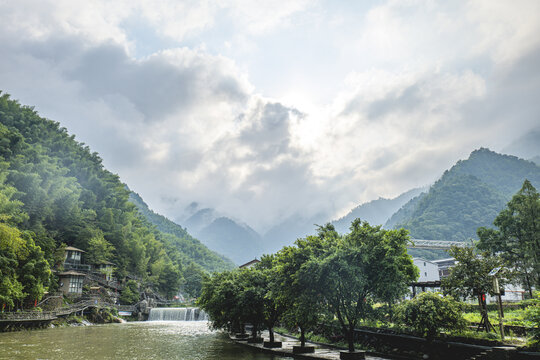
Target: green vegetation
x,y
340,275
532,314
468,196
518,237
430,313
54,192
180,242
469,278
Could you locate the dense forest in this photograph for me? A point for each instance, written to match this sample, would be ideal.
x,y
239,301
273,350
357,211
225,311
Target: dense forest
x,y
54,191
177,238
467,196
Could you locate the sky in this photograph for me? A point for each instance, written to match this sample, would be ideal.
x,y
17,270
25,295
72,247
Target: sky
x,y
269,109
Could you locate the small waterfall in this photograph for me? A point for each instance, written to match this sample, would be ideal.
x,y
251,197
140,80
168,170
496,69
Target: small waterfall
x,y
177,314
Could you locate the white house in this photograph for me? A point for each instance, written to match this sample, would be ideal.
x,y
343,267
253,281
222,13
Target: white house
x,y
429,271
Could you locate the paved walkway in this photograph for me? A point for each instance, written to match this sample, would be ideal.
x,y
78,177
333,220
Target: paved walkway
x,y
321,351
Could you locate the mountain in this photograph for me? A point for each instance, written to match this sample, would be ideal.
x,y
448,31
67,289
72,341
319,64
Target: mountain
x,y
180,239
54,191
238,242
375,212
467,196
200,219
404,213
234,239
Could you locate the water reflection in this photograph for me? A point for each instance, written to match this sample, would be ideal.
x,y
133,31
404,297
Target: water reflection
x,y
139,340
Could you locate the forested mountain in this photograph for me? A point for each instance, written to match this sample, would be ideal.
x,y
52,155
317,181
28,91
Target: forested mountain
x,y
467,196
376,212
178,237
54,191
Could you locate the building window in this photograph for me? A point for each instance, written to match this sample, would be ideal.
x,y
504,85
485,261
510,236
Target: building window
x,y
425,273
424,263
76,284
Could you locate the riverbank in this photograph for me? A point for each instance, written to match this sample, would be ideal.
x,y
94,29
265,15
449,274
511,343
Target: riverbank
x,y
381,344
290,345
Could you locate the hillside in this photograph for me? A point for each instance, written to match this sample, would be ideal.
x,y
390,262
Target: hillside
x,y
189,247
54,192
467,196
375,212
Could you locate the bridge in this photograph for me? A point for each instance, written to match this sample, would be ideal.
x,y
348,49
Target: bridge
x,y
44,316
436,244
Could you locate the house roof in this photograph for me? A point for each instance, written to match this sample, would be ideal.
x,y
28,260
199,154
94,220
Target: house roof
x,y
73,249
71,272
254,261
422,259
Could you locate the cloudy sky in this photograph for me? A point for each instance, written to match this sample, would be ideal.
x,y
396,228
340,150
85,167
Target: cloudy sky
x,y
266,109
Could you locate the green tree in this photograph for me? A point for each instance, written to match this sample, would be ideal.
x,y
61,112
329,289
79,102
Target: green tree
x,y
273,308
295,290
193,280
11,244
367,265
518,237
99,250
430,313
33,270
130,293
470,279
220,300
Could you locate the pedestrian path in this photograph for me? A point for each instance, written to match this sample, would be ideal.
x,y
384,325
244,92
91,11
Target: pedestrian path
x,y
286,350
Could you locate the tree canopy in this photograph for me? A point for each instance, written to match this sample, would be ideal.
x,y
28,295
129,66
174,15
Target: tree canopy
x,y
518,236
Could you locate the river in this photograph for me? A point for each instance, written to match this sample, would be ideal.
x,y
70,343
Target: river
x,y
186,340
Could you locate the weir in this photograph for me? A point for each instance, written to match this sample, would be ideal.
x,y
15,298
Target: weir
x,y
177,314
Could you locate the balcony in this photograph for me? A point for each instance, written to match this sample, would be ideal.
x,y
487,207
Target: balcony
x,y
76,267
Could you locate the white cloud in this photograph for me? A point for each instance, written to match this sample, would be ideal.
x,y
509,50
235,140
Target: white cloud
x,y
422,83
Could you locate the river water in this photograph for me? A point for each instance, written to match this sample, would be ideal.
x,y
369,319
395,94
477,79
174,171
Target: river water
x,y
186,340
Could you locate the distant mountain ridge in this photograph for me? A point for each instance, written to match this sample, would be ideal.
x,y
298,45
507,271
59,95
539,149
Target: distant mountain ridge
x,y
467,196
376,212
238,242
192,248
235,240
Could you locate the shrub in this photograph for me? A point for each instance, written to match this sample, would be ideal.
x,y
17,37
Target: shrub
x,y
430,313
532,316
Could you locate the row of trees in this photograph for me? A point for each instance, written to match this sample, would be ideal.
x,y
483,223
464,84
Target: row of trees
x,y
330,276
323,276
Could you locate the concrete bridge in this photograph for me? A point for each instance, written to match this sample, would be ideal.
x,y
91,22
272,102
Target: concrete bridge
x,y
436,244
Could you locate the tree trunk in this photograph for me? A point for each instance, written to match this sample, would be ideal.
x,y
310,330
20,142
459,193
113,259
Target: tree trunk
x,y
271,331
302,337
350,338
254,331
528,284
